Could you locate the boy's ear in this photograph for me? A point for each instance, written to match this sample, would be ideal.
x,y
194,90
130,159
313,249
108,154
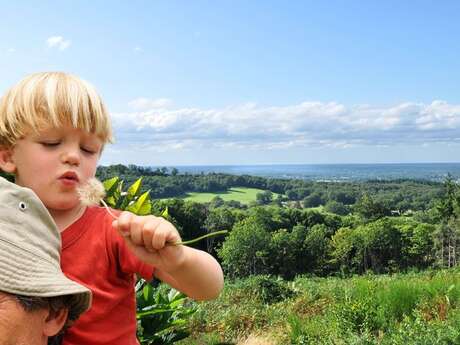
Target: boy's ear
x,y
6,160
55,321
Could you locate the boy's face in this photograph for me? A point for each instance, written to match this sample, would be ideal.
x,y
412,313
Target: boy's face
x,y
54,162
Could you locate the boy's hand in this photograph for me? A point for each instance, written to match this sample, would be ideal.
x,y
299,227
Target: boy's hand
x,y
150,239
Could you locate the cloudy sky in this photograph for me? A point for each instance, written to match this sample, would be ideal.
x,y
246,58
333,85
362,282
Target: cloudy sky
x,y
254,82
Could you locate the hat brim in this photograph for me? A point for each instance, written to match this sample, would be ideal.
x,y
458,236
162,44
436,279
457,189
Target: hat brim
x,y
25,274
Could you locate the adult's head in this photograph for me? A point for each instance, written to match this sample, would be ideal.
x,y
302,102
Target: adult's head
x,y
37,301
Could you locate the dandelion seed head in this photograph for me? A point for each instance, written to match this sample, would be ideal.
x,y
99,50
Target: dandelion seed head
x,y
92,192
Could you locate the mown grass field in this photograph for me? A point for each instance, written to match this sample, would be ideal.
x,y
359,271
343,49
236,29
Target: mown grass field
x,y
241,194
410,309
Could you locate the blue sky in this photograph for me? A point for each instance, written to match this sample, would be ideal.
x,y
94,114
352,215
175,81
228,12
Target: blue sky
x,y
254,82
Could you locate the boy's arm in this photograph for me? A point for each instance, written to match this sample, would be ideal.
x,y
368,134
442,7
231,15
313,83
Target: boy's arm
x,y
200,276
194,272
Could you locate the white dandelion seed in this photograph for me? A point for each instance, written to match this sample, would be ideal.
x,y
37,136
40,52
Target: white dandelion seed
x,y
93,193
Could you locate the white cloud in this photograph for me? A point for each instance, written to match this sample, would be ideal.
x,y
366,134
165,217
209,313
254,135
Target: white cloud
x,y
11,50
58,42
309,124
142,103
138,49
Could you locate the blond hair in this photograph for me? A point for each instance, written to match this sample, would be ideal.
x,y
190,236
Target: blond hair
x,y
52,99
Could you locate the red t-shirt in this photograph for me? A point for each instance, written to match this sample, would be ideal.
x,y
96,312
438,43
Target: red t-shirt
x,y
95,255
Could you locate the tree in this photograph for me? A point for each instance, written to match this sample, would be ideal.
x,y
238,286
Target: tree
x,y
217,201
381,245
313,200
448,204
336,207
174,171
447,234
447,240
284,253
218,219
246,249
417,244
287,255
343,248
315,249
370,209
264,198
345,197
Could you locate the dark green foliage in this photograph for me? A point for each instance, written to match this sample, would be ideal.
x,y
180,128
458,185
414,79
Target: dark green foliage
x,y
270,289
217,201
382,234
386,245
187,216
218,219
370,209
287,248
337,207
313,200
162,314
264,198
246,250
401,195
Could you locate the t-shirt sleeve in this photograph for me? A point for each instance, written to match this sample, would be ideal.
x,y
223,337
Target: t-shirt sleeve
x,y
125,260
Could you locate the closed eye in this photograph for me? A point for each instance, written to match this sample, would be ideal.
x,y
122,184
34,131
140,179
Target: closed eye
x,y
87,150
50,143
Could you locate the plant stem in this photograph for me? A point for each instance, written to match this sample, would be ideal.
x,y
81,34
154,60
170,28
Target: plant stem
x,y
108,209
211,234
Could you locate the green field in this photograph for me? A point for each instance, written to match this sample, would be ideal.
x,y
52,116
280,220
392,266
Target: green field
x,y
241,194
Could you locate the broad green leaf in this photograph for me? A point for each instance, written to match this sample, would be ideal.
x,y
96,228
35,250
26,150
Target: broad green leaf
x,y
142,206
134,188
110,185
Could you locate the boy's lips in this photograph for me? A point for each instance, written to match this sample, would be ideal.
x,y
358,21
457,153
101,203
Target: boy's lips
x,y
69,178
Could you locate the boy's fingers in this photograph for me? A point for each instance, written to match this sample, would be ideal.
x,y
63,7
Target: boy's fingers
x,y
124,222
159,239
166,232
148,233
142,253
136,230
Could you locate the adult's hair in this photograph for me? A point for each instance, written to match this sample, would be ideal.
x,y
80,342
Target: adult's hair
x,y
54,305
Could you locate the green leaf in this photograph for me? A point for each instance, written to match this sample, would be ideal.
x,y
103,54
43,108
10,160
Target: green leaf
x,y
110,185
134,188
145,291
143,314
142,206
165,213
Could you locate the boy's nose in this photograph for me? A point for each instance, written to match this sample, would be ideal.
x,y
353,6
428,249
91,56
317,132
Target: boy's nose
x,y
71,157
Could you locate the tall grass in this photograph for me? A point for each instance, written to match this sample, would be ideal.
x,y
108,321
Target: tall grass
x,y
414,308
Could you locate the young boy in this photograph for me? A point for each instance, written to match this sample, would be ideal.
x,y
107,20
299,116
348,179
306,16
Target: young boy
x,y
53,127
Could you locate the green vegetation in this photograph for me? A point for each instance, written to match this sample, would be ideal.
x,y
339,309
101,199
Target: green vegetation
x,y
161,312
243,195
388,197
306,234
409,309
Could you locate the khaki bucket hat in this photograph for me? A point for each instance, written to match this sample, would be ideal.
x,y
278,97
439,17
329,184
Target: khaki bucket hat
x,y
30,246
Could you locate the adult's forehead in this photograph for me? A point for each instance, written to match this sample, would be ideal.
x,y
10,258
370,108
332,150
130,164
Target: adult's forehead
x,y
6,297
